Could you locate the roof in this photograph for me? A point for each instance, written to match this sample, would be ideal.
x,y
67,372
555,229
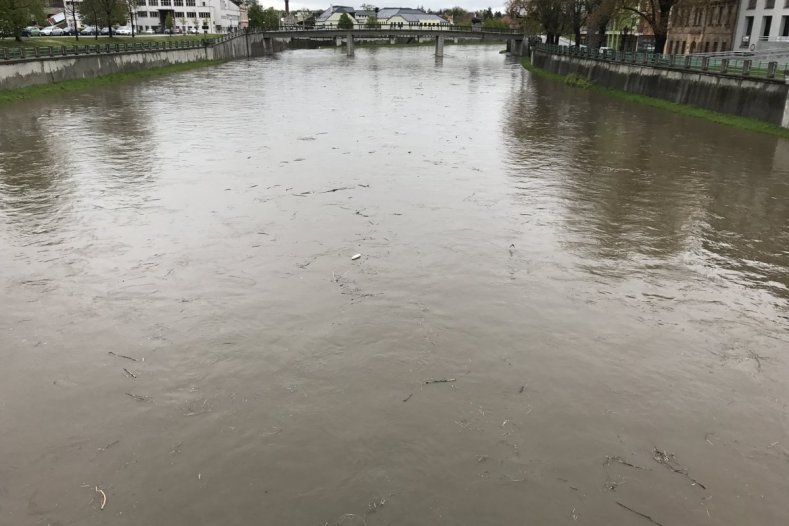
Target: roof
x,y
364,13
334,9
409,14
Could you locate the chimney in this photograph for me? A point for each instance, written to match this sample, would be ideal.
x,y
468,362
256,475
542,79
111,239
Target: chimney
x,y
287,7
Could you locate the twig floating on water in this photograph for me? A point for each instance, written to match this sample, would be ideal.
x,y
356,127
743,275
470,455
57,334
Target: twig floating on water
x,y
105,448
407,398
668,460
439,380
122,356
139,398
523,388
131,374
644,515
620,460
103,498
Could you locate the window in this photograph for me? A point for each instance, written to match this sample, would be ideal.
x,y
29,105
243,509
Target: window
x,y
720,14
140,2
178,3
785,26
786,4
153,2
724,47
143,14
205,14
751,4
683,47
179,14
706,47
769,4
748,26
692,47
767,23
715,47
191,14
728,16
167,2
710,15
191,3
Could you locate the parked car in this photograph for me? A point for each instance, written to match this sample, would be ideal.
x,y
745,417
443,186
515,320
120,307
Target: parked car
x,y
31,31
69,31
124,31
193,31
149,31
105,31
88,30
51,31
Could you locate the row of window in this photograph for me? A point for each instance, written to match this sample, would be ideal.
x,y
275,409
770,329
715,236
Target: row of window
x,y
715,15
176,14
768,4
675,47
767,25
166,3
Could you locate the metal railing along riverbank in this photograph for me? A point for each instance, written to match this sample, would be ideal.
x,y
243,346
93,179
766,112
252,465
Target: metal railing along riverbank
x,y
742,67
126,47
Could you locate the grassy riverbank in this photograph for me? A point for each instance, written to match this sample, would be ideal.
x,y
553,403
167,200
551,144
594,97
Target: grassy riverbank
x,y
41,90
683,109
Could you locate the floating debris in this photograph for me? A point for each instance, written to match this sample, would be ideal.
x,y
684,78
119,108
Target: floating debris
x,y
139,398
122,356
438,380
407,398
355,257
670,461
620,460
129,373
647,517
103,498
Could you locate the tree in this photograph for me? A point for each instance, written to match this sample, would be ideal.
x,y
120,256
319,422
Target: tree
x,y
372,22
265,19
345,22
169,23
100,13
15,15
131,9
656,13
70,10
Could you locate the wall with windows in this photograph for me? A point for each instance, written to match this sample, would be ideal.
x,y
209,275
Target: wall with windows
x,y
212,16
762,21
701,28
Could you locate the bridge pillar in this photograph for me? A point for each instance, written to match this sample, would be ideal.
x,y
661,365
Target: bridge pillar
x,y
349,44
392,40
338,41
268,46
515,47
440,46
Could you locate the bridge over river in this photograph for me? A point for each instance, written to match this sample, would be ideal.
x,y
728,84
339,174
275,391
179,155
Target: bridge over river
x,y
513,38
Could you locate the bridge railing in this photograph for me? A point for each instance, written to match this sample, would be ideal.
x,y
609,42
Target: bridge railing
x,y
384,28
742,67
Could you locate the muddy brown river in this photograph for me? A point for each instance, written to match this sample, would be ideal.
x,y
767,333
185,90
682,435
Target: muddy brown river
x,y
568,309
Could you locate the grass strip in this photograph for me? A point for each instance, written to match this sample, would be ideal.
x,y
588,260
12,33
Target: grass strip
x,y
744,123
41,90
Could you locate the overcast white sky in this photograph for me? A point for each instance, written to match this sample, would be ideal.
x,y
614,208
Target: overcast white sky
x,y
469,5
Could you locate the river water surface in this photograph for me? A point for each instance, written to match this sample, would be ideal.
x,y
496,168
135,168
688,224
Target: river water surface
x,y
602,285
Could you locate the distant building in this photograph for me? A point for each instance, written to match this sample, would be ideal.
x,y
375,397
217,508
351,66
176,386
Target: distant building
x,y
391,17
762,25
387,18
331,17
702,28
214,16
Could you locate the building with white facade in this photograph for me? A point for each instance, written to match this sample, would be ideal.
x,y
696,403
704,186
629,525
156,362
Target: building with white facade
x,y
762,25
386,18
211,16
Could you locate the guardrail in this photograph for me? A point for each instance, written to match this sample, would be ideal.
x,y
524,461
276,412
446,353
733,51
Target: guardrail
x,y
703,63
62,51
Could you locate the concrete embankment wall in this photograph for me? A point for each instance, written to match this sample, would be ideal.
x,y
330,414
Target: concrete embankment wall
x,y
762,99
21,73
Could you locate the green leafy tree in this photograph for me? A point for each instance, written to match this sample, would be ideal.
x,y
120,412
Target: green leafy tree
x,y
265,19
345,22
103,13
372,22
15,15
494,23
169,23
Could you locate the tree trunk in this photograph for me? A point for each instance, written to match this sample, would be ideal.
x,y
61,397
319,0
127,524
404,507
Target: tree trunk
x,y
74,19
548,38
660,43
577,37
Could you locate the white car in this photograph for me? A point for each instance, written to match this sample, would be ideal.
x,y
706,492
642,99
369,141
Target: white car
x,y
51,31
124,31
148,31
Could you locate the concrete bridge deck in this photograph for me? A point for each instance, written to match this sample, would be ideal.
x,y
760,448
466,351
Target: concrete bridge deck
x,y
513,38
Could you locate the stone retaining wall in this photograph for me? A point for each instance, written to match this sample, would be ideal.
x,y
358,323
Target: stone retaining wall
x,y
763,99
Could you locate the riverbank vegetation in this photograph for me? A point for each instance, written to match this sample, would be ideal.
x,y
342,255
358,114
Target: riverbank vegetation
x,y
743,123
40,90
